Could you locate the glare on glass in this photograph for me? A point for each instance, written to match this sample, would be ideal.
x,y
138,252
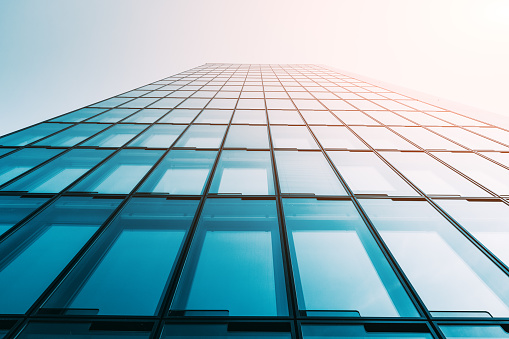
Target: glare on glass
x,y
202,136
158,136
247,136
115,136
72,136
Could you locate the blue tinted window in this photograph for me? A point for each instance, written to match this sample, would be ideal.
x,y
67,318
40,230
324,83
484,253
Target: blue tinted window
x,y
132,261
31,134
139,102
44,246
246,136
180,116
72,136
113,102
181,172
113,115
197,331
115,136
202,136
146,116
79,331
13,209
60,172
392,331
80,115
119,174
158,136
18,163
470,331
5,150
234,266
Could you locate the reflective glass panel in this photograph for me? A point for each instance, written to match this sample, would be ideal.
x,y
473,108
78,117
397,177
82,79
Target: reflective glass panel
x,y
13,209
19,162
285,117
474,331
72,136
247,136
218,330
31,134
180,116
202,136
389,331
113,102
355,118
146,116
79,115
115,136
297,137
249,117
382,138
214,116
337,137
159,136
113,115
139,102
98,330
492,133
469,139
320,118
426,139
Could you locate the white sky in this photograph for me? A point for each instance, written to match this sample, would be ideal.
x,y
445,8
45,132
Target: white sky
x,y
56,56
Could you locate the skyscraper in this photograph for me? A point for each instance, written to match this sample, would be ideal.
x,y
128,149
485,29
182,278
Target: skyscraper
x,y
256,201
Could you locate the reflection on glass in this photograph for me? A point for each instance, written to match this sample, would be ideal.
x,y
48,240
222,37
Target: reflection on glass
x,y
218,330
320,118
60,172
146,116
355,280
234,266
355,118
13,209
180,116
337,137
214,116
161,136
120,174
72,136
382,138
44,246
427,139
292,137
202,136
31,134
391,331
113,115
115,136
246,136
243,172
19,162
249,117
79,115
79,330
181,172
127,269
113,102
285,118
365,173
469,139
448,272
306,173
474,331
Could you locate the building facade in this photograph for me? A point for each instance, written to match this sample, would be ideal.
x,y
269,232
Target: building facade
x,y
255,201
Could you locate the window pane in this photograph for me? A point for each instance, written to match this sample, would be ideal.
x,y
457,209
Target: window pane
x,y
60,172
31,134
120,174
246,136
424,119
493,133
111,102
341,270
382,138
389,118
218,330
365,173
18,163
44,246
127,269
79,115
456,119
115,136
161,136
243,172
113,115
146,116
292,137
13,209
471,331
5,150
306,173
446,269
180,116
214,116
336,137
363,331
249,117
234,266
320,118
166,103
355,118
202,136
285,118
72,136
181,172
139,102
79,331
427,139
431,176
485,172
469,139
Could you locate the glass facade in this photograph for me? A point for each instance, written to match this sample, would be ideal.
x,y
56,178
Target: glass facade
x,y
255,201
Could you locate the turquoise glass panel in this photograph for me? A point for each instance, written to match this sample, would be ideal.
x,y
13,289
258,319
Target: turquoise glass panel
x,y
31,134
113,115
393,331
18,163
115,136
81,330
72,136
79,115
161,136
202,136
14,208
218,330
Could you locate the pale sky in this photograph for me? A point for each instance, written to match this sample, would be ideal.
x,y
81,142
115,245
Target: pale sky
x,y
60,55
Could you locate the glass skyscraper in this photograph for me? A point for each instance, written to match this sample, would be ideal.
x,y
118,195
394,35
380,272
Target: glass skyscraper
x,y
255,201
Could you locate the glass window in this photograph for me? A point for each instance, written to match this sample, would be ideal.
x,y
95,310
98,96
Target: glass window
x,y
337,137
5,150
121,173
13,209
161,136
146,116
379,331
493,133
279,104
32,256
167,103
128,267
192,103
113,102
485,220
247,136
181,172
98,330
223,103
366,173
72,136
18,163
180,116
427,139
303,104
448,272
297,137
389,118
474,331
139,102
249,117
425,119
382,138
113,115
234,266
502,158
355,118
214,116
469,139
320,118
31,134
60,172
336,104
115,136
285,118
485,172
306,173
341,270
219,330
431,176
456,119
79,115
391,104
243,172
202,136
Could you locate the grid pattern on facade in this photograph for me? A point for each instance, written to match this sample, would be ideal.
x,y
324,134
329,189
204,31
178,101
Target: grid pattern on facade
x,y
274,201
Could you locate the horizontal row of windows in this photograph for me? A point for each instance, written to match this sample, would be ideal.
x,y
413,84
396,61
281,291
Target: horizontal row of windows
x,y
235,266
254,330
186,172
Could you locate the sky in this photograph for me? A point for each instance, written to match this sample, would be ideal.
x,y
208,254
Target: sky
x,y
60,55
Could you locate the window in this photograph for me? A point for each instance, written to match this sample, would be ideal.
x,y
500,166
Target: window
x,y
31,134
72,136
100,330
13,209
180,116
113,115
214,116
79,115
297,137
202,136
337,137
469,139
249,117
320,118
115,136
221,330
247,136
146,116
158,136
426,139
355,118
382,138
285,118
372,330
474,331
